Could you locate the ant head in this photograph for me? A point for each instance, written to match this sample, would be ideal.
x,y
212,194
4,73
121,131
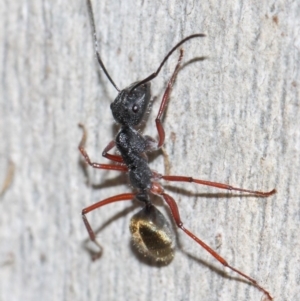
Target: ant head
x,y
130,105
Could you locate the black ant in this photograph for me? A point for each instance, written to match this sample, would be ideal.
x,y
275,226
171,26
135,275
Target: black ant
x,y
150,231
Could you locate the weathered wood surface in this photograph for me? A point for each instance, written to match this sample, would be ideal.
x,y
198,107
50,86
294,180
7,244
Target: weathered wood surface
x,y
233,117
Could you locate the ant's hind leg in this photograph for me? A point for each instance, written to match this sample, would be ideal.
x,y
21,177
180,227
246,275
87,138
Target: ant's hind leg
x,y
116,198
175,213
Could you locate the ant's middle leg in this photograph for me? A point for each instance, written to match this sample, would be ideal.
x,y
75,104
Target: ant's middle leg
x,y
212,184
82,150
164,102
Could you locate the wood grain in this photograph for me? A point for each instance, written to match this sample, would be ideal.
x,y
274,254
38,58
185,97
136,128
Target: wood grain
x,y
233,117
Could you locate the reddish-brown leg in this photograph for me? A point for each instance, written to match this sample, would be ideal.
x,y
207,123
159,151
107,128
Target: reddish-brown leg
x,y
174,209
164,102
105,154
8,178
120,167
213,184
116,198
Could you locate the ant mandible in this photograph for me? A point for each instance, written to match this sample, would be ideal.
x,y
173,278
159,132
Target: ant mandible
x,y
150,231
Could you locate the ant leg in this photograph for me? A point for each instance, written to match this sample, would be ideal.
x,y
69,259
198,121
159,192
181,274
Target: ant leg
x,y
116,198
164,102
213,184
8,178
174,209
94,164
115,158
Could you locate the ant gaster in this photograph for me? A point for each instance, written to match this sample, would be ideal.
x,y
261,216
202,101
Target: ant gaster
x,y
150,230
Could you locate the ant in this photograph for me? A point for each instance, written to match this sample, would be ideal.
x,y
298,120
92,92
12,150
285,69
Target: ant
x,y
150,230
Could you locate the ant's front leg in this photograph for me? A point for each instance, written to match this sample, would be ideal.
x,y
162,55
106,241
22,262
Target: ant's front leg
x,y
94,164
115,158
164,102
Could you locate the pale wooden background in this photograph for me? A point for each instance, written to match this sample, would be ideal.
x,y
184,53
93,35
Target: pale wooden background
x,y
236,118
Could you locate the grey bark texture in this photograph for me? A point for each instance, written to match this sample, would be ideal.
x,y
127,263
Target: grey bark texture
x,y
233,117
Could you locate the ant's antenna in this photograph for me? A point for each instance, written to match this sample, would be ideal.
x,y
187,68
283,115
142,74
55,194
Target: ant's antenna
x,y
154,74
91,14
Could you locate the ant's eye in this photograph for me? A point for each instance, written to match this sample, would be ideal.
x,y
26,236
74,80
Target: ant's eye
x,y
135,108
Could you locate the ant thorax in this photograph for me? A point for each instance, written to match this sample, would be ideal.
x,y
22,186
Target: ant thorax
x,y
132,147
